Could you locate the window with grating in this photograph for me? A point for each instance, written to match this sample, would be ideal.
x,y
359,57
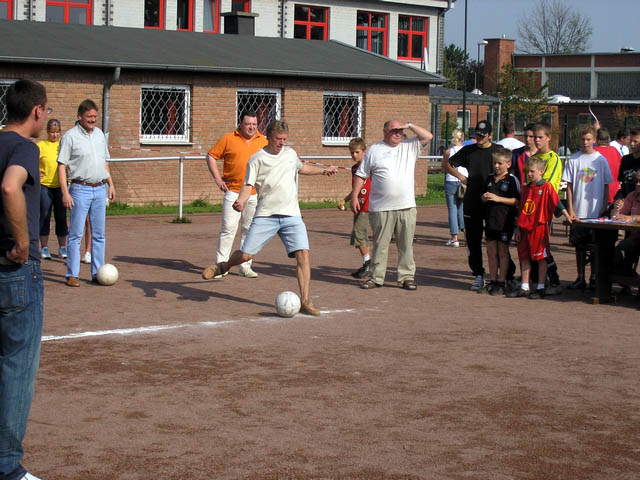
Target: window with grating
x,y
619,85
342,117
4,88
576,85
265,102
165,112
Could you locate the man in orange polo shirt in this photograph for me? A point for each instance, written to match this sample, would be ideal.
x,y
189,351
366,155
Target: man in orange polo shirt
x,y
235,149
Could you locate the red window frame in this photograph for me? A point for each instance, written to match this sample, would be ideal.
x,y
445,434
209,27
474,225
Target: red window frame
x,y
244,5
68,5
214,5
190,17
411,33
160,26
9,4
308,23
370,29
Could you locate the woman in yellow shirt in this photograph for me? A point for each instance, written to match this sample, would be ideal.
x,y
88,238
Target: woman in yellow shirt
x,y
50,192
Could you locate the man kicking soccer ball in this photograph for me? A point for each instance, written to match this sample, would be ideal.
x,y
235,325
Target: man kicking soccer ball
x,y
273,172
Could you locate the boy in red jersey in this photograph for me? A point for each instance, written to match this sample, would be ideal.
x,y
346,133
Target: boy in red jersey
x,y
538,202
360,231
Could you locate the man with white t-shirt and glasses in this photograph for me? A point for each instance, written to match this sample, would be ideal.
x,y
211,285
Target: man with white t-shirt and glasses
x,y
392,205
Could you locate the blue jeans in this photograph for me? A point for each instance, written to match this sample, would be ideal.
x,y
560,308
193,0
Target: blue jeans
x,y
454,207
21,310
91,201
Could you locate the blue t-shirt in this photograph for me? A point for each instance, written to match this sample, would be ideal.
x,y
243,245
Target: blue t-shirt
x,y
17,150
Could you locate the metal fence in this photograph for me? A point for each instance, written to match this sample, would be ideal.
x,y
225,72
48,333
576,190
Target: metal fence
x,y
434,165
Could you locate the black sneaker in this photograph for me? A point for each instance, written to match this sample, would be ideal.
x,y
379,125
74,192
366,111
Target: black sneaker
x,y
537,294
363,271
486,288
579,284
496,289
517,293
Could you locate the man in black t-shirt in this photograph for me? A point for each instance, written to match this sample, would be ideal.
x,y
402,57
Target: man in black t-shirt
x,y
20,314
478,160
628,167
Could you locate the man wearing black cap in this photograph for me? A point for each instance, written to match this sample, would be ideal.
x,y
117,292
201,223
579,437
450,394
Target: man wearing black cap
x,y
477,159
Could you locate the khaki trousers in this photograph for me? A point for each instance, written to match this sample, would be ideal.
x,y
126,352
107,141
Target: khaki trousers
x,y
384,225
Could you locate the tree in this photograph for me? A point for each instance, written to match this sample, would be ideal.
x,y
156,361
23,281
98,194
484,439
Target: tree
x,y
521,97
455,61
553,27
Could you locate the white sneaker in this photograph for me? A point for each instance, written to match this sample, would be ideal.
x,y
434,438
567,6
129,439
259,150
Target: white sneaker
x,y
28,476
86,258
452,243
478,283
247,272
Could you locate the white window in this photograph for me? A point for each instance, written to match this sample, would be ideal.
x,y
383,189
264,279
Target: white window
x,y
165,113
341,117
264,102
467,119
4,88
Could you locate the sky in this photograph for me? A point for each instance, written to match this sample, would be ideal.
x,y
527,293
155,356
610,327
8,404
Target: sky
x,y
615,22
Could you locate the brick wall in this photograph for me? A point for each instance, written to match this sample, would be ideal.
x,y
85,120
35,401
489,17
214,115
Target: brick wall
x,y
213,114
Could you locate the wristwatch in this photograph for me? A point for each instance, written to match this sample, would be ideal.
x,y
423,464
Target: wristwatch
x,y
408,124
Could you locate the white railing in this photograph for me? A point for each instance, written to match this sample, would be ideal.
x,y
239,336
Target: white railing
x,y
318,160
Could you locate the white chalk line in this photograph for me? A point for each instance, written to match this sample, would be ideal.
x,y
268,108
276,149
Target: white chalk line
x,y
160,328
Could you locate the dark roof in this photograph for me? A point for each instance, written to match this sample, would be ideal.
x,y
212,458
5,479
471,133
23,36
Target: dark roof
x,y
100,46
449,96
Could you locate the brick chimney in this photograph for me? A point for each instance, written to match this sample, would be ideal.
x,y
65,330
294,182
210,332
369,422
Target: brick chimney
x,y
497,53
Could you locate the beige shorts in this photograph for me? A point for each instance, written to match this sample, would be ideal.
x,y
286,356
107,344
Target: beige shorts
x,y
360,232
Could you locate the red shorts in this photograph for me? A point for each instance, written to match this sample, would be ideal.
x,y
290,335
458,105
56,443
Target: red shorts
x,y
534,244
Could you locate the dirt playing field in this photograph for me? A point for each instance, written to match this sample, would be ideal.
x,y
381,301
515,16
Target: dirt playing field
x,y
167,376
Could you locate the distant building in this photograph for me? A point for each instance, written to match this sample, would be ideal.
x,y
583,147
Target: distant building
x,y
609,83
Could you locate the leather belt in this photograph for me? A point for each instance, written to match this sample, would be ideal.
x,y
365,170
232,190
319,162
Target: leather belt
x,y
86,184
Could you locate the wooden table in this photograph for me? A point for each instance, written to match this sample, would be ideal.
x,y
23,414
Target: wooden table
x,y
603,263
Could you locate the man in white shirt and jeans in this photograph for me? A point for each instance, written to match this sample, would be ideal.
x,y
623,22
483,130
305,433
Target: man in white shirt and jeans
x,y
392,204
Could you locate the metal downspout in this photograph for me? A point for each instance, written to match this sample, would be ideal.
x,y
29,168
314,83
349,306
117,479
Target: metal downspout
x,y
106,100
282,19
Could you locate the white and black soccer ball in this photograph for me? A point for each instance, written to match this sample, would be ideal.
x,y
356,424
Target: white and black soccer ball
x,y
287,304
107,274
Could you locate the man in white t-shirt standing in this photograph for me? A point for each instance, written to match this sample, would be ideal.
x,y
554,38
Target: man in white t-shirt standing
x,y
392,204
622,141
273,172
509,140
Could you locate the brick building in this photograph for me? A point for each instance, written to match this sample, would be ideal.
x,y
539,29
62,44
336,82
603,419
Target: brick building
x,y
608,83
176,93
402,30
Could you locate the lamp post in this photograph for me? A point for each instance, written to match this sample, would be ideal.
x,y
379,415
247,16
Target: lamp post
x,y
464,73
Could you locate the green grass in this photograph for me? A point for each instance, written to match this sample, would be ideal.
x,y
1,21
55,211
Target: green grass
x,y
435,191
434,196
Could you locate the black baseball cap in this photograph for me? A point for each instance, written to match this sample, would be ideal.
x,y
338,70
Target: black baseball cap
x,y
483,128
